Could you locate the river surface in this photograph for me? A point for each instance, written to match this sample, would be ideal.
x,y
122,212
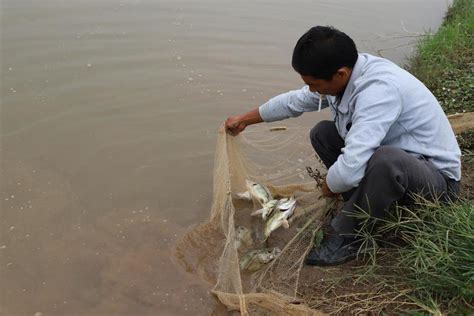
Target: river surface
x,y
109,112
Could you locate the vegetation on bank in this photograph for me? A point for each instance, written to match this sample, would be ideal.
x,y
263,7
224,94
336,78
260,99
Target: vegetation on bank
x,y
445,61
423,259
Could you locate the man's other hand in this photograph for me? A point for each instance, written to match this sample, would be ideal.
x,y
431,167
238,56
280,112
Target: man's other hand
x,y
326,191
234,125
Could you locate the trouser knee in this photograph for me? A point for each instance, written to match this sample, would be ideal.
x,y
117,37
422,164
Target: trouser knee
x,y
320,133
385,158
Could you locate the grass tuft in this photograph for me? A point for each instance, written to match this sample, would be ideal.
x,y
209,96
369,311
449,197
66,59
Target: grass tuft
x,y
445,60
433,255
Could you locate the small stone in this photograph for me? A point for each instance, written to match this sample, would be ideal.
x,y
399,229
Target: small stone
x,y
3,247
38,314
12,228
89,65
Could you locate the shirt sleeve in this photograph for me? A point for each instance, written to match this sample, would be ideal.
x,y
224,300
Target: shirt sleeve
x,y
376,109
291,104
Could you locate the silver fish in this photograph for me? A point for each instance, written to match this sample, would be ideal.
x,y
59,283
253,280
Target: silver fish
x,y
280,217
243,238
255,259
266,209
269,207
256,191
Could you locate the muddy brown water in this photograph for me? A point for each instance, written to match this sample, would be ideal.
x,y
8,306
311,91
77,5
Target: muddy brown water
x,y
109,112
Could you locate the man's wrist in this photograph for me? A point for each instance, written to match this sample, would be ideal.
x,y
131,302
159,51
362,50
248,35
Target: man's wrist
x,y
243,120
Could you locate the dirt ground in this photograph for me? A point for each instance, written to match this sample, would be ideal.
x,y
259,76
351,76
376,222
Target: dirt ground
x,y
467,181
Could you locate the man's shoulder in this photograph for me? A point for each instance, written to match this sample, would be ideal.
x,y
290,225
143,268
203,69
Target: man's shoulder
x,y
380,71
376,66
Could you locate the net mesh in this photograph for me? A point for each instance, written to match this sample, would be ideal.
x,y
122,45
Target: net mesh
x,y
284,286
277,159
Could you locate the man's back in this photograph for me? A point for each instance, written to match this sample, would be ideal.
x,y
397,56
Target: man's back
x,y
421,126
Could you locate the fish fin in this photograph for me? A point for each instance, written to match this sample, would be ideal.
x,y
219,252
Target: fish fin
x,y
285,224
244,196
258,212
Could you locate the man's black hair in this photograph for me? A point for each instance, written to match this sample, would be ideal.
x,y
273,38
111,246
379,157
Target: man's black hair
x,y
321,51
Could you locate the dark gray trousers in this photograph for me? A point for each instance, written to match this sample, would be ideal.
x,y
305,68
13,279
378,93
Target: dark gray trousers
x,y
391,175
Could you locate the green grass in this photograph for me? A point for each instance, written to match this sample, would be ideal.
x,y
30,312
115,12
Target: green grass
x,y
445,60
432,259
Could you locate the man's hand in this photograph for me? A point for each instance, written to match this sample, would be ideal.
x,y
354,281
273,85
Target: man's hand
x,y
326,191
234,125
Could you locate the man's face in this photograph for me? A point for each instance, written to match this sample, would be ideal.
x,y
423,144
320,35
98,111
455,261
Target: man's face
x,y
335,86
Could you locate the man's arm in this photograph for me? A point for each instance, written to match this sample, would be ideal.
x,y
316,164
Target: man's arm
x,y
283,106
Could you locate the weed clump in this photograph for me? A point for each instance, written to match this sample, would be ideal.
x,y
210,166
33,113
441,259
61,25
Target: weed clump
x,y
445,61
430,257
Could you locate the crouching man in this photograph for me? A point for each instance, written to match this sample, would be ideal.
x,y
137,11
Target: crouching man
x,y
389,137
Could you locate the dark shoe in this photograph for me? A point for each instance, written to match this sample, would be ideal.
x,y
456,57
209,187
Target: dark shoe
x,y
334,250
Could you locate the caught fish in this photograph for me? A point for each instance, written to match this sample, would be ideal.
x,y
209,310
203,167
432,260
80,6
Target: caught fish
x,y
243,238
280,217
256,191
255,259
269,207
266,209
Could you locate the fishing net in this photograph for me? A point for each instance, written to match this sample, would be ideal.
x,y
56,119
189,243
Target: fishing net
x,y
277,158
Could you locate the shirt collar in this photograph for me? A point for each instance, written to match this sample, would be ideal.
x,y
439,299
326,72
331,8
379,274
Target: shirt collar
x,y
356,72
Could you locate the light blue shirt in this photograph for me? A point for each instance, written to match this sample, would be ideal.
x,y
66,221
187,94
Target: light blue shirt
x,y
382,105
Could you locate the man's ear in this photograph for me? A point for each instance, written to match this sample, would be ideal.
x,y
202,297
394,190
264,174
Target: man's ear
x,y
343,72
